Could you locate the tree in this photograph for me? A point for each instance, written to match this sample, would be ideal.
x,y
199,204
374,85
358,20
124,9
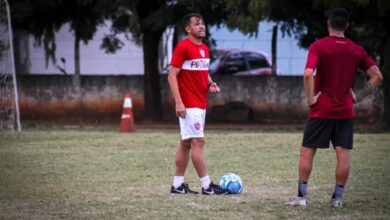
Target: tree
x,y
147,27
43,18
40,20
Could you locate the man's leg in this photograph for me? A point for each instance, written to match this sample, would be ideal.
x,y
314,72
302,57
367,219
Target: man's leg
x,y
304,168
181,160
182,157
342,173
342,166
342,139
199,161
197,156
306,163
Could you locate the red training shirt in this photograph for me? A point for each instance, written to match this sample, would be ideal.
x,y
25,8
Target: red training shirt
x,y
193,60
336,61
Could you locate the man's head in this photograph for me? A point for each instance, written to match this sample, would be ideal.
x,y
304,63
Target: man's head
x,y
339,19
194,25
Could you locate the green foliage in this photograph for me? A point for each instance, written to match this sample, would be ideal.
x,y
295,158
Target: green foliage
x,y
43,18
245,15
303,18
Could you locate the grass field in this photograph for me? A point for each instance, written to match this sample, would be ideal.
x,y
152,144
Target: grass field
x,y
81,174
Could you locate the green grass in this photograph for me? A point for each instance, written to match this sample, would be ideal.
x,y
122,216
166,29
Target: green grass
x,y
73,174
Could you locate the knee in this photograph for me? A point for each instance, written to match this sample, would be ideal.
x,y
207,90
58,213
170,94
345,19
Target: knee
x,y
186,145
197,142
307,153
342,153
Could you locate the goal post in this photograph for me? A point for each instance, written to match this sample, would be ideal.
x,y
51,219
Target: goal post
x,y
9,98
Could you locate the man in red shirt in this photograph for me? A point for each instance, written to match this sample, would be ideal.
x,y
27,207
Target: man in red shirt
x,y
329,77
190,82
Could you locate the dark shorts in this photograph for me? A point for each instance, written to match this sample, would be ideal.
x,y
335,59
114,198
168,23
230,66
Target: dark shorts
x,y
319,132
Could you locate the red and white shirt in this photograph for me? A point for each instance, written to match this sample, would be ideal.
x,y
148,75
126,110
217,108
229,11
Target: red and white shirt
x,y
336,61
193,60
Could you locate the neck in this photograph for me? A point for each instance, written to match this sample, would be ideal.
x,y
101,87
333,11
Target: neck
x,y
195,40
335,33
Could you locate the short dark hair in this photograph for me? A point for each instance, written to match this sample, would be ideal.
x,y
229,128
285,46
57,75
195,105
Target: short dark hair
x,y
187,18
339,19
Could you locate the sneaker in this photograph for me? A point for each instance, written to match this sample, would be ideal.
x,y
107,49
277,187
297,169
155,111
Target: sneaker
x,y
298,201
336,203
183,189
214,190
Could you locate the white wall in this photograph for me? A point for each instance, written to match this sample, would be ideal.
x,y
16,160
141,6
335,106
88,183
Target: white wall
x,y
94,61
129,60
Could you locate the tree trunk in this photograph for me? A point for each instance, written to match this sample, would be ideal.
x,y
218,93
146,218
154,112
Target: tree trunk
x,y
77,54
386,83
176,35
76,76
22,52
152,94
274,49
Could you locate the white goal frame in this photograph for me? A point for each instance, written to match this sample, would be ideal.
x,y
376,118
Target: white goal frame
x,y
15,89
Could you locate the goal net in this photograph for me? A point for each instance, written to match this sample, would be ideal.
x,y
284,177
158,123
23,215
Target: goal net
x,y
9,104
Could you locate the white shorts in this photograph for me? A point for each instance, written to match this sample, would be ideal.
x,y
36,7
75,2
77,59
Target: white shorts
x,y
193,124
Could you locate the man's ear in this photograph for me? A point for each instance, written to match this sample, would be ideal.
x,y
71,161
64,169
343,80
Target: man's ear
x,y
347,26
188,29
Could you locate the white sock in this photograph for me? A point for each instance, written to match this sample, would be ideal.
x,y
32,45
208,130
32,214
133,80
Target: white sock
x,y
177,181
205,181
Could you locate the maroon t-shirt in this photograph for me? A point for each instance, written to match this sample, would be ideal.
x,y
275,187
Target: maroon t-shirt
x,y
335,61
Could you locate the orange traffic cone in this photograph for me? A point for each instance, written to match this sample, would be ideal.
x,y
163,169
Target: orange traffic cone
x,y
127,121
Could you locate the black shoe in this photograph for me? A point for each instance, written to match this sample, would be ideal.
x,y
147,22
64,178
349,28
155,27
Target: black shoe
x,y
214,190
183,189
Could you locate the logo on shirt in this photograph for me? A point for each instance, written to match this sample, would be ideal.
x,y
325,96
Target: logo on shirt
x,y
199,64
197,126
201,51
196,64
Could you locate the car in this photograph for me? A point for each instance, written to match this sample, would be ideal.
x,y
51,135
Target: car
x,y
239,62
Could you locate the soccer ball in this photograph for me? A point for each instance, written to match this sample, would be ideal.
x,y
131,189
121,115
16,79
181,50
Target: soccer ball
x,y
232,183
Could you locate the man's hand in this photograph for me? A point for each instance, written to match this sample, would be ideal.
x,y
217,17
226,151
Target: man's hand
x,y
180,110
360,95
313,101
353,96
375,76
213,87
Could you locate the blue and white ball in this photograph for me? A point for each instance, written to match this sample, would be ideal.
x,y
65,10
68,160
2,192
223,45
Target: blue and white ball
x,y
232,183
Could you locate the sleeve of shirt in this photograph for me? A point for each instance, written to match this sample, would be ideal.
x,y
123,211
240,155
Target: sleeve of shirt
x,y
178,56
312,57
366,62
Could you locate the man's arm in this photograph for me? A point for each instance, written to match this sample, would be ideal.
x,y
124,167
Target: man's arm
x,y
172,80
375,76
308,82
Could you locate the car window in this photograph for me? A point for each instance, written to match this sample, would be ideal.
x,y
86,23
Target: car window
x,y
214,64
234,62
256,61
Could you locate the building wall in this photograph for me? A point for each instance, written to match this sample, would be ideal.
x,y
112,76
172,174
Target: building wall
x,y
262,99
